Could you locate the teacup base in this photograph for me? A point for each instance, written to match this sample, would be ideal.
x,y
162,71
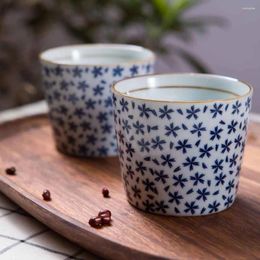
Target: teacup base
x,y
171,213
85,154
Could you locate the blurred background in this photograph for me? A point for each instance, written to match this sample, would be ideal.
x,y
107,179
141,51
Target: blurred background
x,y
212,36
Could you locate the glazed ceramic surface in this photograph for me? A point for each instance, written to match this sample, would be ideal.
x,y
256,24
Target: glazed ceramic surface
x,y
181,139
77,83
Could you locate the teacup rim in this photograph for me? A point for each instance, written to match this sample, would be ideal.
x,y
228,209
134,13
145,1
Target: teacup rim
x,y
151,55
226,100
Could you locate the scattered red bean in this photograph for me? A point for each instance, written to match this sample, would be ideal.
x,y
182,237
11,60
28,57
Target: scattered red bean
x,y
105,192
46,195
103,218
106,220
92,222
10,171
105,213
98,221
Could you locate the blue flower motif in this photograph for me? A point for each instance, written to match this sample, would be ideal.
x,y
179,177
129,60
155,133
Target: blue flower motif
x,y
215,133
144,111
139,127
79,113
165,112
216,110
183,145
238,141
129,149
126,126
217,166
57,95
236,107
167,160
230,186
82,85
149,185
46,71
161,176
229,201
64,85
171,130
205,151
214,206
220,179
144,145
63,110
106,128
97,71
124,104
140,167
134,70
197,178
98,90
102,151
136,191
91,139
203,193
191,162
192,112
85,126
117,71
129,171
83,149
90,103
71,140
73,126
232,127
58,71
161,206
198,129
191,207
148,68
248,103
226,146
149,207
120,137
108,102
47,84
233,160
158,143
77,72
102,116
175,197
179,180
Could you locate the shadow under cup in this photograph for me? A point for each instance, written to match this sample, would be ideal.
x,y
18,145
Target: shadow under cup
x,y
77,84
181,139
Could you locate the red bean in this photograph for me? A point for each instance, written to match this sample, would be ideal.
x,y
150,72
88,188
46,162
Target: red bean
x,y
105,192
46,195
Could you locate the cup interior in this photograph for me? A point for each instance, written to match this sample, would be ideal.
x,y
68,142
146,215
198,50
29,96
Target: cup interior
x,y
182,87
97,54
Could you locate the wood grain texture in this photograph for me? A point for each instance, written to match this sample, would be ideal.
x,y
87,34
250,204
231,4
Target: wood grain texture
x,y
76,186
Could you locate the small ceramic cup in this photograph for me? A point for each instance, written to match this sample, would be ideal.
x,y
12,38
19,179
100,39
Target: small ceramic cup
x,y
77,83
181,139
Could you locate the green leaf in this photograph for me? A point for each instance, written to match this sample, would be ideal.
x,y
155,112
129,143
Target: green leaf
x,y
161,6
192,60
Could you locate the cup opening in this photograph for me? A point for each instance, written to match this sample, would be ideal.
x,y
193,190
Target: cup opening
x,y
183,87
97,54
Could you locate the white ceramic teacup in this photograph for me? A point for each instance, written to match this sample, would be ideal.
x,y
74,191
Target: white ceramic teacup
x,y
181,139
77,81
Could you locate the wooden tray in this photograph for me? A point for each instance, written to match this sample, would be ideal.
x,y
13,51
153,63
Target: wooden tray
x,y
76,186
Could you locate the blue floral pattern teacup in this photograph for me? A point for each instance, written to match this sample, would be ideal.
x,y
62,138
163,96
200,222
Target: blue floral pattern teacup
x,y
181,139
77,83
